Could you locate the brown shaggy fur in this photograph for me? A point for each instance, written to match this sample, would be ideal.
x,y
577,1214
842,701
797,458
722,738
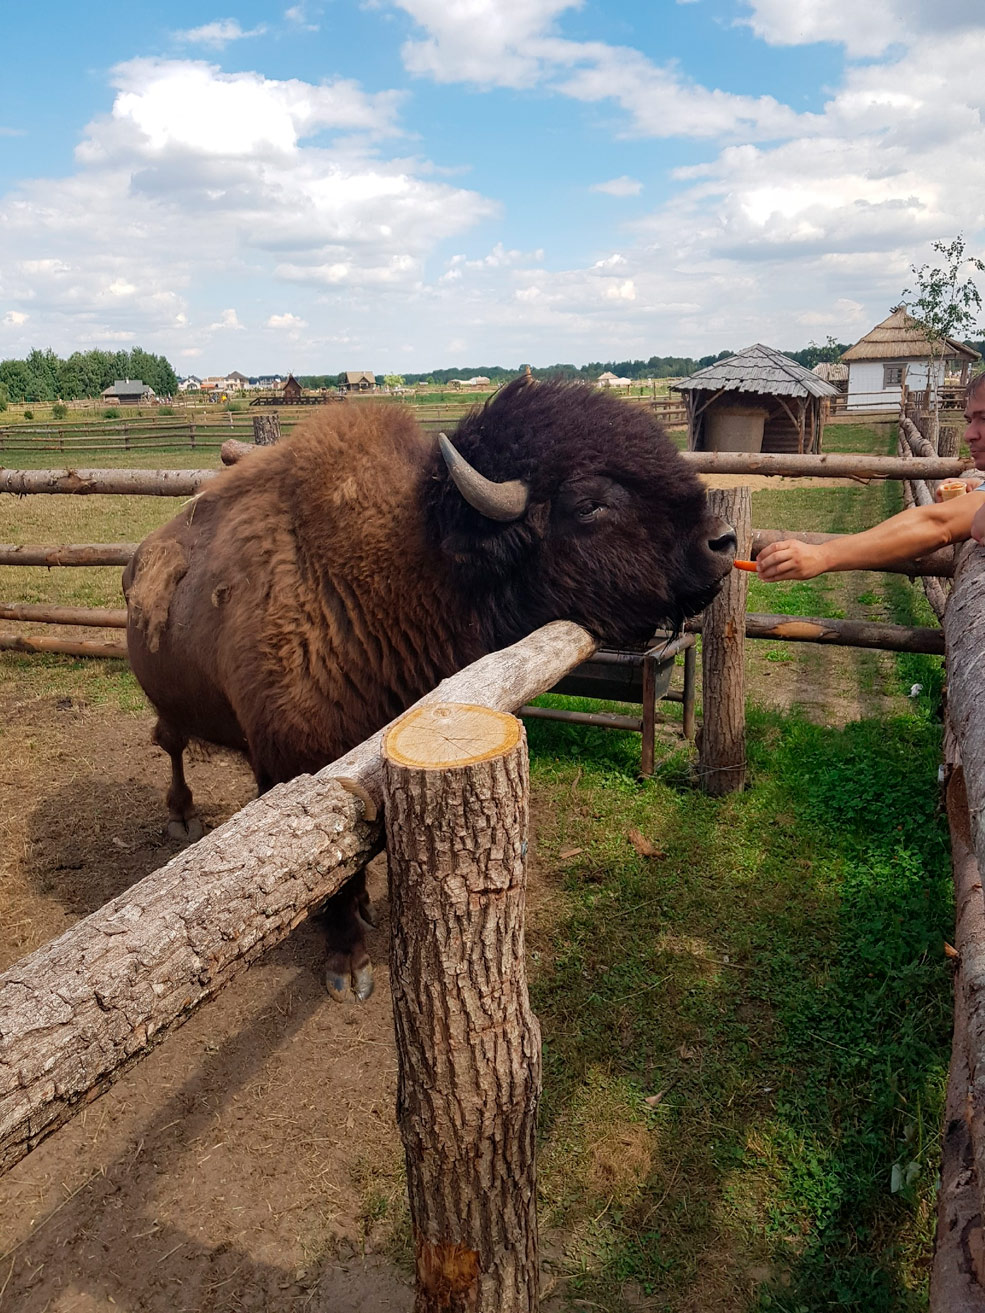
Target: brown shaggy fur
x,y
317,588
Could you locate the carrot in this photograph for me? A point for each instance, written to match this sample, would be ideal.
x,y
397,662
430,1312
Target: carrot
x,y
745,565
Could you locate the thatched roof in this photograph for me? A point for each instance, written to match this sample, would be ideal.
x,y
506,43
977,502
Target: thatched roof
x,y
831,371
759,369
901,338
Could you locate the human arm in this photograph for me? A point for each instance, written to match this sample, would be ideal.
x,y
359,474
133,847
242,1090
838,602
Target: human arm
x,y
902,537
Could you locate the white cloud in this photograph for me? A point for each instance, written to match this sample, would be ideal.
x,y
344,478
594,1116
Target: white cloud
x,y
622,186
297,16
12,132
218,34
863,29
15,318
228,319
287,321
513,43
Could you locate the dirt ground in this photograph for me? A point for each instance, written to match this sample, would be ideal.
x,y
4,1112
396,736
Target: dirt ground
x,y
252,1161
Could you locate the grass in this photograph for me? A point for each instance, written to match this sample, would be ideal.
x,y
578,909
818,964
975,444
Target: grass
x,y
745,1036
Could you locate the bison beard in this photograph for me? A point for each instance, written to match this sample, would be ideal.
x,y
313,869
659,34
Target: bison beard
x,y
321,586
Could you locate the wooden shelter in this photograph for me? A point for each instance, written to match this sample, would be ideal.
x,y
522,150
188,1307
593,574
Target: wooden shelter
x,y
761,383
898,352
292,389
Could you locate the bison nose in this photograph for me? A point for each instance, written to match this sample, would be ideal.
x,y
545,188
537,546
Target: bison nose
x,y
723,539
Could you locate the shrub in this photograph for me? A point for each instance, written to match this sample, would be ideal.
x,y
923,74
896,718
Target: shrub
x,y
111,412
165,410
59,410
28,414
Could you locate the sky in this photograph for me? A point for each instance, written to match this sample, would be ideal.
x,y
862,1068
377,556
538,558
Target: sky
x,y
404,185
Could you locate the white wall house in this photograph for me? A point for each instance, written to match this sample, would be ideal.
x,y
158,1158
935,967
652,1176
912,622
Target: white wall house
x,y
894,352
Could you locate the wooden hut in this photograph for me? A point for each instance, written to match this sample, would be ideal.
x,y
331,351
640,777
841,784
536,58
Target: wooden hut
x,y
292,389
758,400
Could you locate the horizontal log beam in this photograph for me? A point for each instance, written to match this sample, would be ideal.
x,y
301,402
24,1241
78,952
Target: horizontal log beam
x,y
43,613
839,633
85,1007
939,563
185,483
67,554
125,483
64,646
825,466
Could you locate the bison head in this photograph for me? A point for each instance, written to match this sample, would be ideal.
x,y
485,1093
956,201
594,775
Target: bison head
x,y
561,502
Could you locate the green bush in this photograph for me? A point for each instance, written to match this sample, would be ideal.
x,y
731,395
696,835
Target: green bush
x,y
28,414
59,410
235,406
165,410
111,412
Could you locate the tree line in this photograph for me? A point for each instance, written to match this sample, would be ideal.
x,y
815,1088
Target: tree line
x,y
44,376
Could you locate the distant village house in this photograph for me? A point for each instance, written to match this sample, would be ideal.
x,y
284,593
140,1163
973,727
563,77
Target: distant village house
x,y
898,352
128,392
360,380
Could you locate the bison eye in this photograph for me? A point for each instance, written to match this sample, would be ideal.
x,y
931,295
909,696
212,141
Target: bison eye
x,y
590,510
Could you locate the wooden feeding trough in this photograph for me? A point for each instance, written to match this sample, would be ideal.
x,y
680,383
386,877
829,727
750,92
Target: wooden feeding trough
x,y
758,400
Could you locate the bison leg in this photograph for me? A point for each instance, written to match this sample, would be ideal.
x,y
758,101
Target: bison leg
x,y
347,965
184,822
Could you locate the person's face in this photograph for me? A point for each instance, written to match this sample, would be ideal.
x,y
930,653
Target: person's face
x,y
974,434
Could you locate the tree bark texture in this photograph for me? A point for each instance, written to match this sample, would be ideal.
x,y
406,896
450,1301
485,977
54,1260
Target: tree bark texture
x,y
467,1042
81,1009
964,635
143,483
839,633
266,430
959,1246
64,646
87,1005
722,750
824,466
940,563
44,613
69,554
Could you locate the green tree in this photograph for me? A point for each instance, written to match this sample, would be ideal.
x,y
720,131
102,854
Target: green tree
x,y
393,380
944,307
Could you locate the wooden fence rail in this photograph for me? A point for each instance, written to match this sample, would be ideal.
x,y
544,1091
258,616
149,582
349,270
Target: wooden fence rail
x,y
89,1004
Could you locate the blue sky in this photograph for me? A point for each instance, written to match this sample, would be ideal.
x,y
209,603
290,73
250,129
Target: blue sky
x,y
408,184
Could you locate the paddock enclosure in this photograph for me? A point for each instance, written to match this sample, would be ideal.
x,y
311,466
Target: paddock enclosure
x,y
252,1158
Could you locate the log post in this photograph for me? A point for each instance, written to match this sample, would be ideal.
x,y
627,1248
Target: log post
x,y
690,670
266,430
455,789
722,754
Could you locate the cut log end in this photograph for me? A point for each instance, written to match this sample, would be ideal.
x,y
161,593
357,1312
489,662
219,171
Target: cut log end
x,y
446,734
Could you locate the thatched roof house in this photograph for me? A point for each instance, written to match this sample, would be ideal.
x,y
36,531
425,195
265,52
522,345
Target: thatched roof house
x,y
756,400
895,352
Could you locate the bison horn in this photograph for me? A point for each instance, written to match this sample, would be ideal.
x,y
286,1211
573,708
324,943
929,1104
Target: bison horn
x,y
497,501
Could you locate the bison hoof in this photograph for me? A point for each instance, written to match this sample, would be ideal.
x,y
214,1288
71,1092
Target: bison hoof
x,y
189,831
362,982
345,986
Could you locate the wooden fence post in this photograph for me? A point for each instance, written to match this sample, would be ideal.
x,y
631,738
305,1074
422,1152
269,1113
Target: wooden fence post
x,y
455,788
722,754
266,430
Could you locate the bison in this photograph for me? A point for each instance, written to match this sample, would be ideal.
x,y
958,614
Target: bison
x,y
319,587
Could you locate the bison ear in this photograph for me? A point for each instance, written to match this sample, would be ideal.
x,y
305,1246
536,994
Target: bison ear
x,y
497,501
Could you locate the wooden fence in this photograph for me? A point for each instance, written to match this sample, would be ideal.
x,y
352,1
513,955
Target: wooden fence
x,y
98,1019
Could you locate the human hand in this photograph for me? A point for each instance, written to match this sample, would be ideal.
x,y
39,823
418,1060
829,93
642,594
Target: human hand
x,y
789,559
978,525
969,482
